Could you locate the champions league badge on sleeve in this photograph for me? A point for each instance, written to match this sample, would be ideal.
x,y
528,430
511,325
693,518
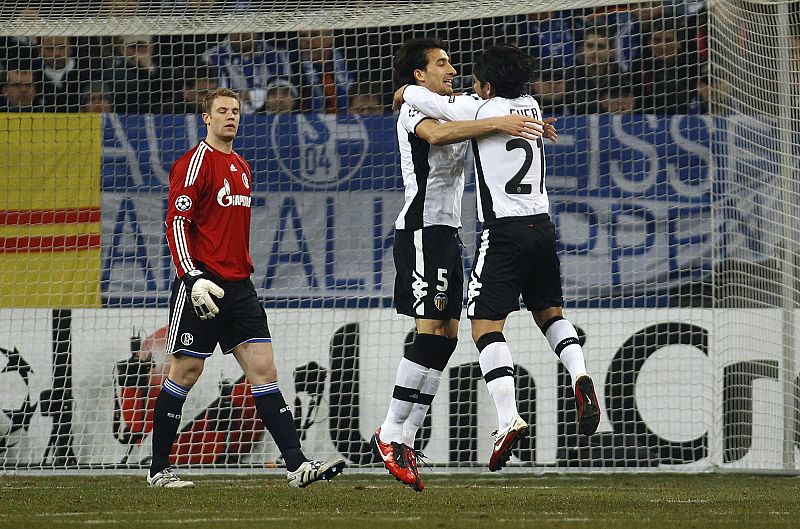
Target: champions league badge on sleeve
x,y
319,151
183,203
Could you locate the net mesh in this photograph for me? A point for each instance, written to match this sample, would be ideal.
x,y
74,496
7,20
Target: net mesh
x,y
673,189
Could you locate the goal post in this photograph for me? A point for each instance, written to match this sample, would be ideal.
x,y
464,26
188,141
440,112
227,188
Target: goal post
x,y
674,189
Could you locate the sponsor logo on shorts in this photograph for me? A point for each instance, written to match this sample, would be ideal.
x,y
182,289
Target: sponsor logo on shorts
x,y
440,300
419,288
187,338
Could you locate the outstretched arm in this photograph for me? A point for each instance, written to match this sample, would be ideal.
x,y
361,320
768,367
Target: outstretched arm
x,y
448,108
437,133
455,109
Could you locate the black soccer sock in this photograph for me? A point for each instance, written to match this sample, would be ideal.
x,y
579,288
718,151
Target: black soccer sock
x,y
166,420
277,417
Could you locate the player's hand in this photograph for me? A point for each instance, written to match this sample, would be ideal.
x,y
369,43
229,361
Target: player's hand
x,y
200,291
521,126
397,99
550,130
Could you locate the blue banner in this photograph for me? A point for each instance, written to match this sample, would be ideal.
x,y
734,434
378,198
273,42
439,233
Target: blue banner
x,y
639,202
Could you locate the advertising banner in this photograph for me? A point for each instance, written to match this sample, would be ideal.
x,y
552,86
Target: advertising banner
x,y
639,203
677,391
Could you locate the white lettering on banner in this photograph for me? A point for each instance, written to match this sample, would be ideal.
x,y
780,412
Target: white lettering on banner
x,y
558,177
122,149
154,151
698,382
593,121
619,173
607,242
318,244
702,179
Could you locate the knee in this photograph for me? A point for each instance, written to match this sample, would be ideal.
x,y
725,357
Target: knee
x,y
544,318
264,371
186,371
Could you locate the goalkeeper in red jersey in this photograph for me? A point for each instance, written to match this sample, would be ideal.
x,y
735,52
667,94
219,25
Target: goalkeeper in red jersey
x,y
213,299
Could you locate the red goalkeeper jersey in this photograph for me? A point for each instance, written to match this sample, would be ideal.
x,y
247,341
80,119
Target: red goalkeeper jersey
x,y
208,213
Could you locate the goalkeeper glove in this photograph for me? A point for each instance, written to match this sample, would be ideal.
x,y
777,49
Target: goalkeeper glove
x,y
200,289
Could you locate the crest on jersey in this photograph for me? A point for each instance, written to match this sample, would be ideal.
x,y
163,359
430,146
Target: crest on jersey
x,y
187,338
245,181
183,203
440,300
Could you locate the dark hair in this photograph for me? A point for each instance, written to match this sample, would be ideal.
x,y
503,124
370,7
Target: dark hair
x,y
506,68
413,55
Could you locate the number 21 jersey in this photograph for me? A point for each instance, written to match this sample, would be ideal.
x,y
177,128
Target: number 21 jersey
x,y
510,171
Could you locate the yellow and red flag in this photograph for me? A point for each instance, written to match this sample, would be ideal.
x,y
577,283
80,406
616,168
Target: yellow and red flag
x,y
50,210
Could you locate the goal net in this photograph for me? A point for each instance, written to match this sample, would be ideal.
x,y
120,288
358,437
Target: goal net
x,y
673,188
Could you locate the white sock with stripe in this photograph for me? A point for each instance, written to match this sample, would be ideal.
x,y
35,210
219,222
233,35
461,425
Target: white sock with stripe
x,y
418,412
410,377
498,371
563,340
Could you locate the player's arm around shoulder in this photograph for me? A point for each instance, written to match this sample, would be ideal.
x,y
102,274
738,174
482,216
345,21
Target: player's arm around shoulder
x,y
448,132
448,108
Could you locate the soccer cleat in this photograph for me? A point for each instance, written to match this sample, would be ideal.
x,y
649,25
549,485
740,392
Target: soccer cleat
x,y
506,440
587,405
167,479
412,456
395,457
311,471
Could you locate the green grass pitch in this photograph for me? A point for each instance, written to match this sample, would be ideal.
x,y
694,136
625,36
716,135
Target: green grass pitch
x,y
359,500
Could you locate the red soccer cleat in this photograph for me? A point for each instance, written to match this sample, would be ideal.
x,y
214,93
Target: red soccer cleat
x,y
506,440
587,405
395,457
411,457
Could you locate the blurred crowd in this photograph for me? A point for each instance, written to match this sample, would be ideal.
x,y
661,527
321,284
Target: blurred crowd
x,y
649,58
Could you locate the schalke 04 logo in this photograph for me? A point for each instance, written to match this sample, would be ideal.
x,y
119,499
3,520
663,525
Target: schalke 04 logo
x,y
319,151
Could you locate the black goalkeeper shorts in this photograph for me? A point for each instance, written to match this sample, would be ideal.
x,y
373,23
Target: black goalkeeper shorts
x,y
241,319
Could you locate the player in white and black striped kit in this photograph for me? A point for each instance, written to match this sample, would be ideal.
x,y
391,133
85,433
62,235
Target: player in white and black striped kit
x,y
427,250
517,249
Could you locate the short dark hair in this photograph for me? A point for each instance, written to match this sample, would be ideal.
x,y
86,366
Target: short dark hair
x,y
219,92
413,55
507,68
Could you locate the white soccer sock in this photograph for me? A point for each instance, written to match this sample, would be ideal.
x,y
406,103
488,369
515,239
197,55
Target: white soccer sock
x,y
494,356
409,375
418,411
571,353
